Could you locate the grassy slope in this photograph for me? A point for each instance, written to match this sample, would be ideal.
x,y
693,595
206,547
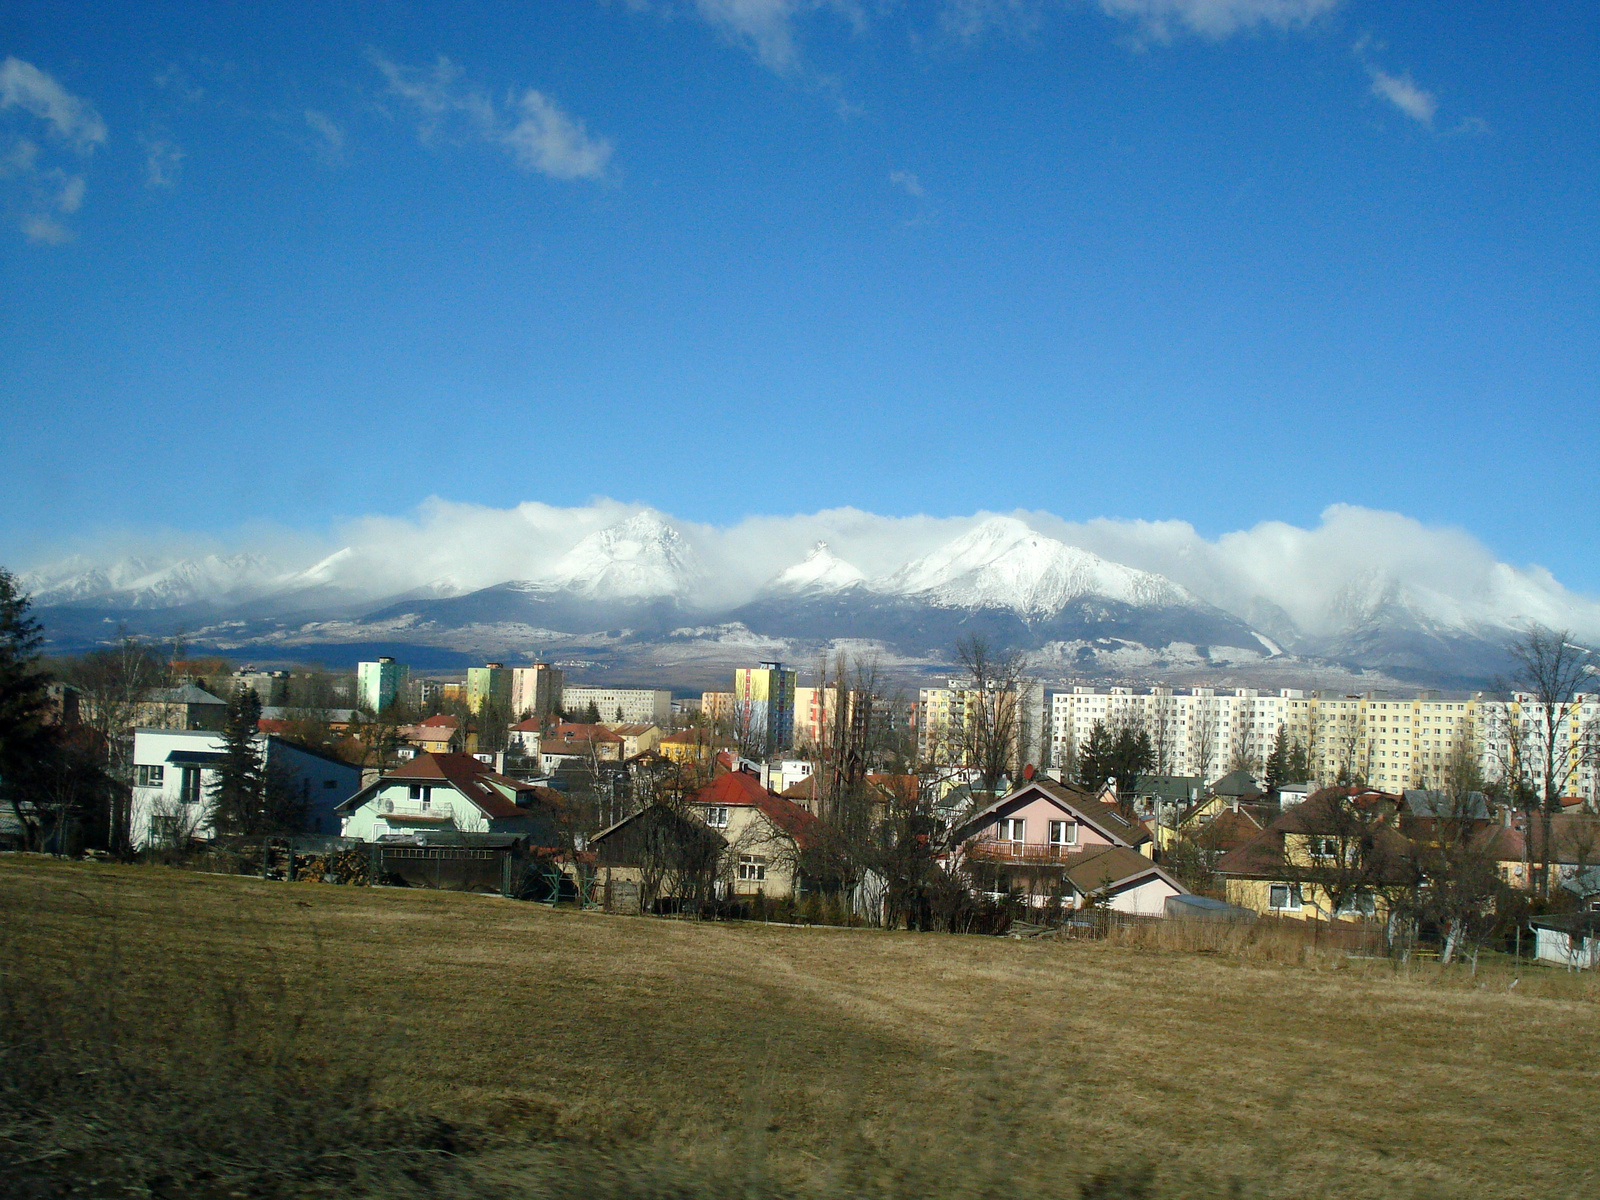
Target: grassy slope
x,y
822,1060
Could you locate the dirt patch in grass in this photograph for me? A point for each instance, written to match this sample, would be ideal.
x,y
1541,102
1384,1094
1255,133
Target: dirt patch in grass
x,y
566,1054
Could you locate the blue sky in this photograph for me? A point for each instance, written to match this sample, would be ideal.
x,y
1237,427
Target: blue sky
x,y
1221,261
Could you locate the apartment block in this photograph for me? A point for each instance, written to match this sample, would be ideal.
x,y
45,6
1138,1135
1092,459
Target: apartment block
x,y
651,706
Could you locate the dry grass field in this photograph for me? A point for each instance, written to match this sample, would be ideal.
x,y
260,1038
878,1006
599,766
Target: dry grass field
x,y
453,1044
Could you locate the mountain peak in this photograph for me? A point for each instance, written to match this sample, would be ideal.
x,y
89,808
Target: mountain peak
x,y
1005,563
639,558
819,571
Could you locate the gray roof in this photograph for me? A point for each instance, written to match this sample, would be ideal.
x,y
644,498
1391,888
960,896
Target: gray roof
x,y
1585,884
1421,802
187,694
1236,783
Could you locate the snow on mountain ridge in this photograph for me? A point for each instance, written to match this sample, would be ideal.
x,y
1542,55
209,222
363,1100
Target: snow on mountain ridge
x,y
637,559
1004,563
819,571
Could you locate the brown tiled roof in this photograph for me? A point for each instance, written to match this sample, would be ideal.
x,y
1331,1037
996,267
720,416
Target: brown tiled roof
x,y
1262,855
1110,867
1227,831
1103,817
473,779
441,721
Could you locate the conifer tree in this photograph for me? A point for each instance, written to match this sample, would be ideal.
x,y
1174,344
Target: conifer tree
x,y
238,793
1278,761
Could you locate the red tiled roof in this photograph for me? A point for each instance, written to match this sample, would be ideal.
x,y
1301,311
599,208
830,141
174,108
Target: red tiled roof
x,y
440,720
740,788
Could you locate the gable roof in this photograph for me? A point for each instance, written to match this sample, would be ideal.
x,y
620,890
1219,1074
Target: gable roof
x,y
1237,783
1428,803
471,778
1227,831
1102,818
1263,855
1113,868
440,721
187,694
742,789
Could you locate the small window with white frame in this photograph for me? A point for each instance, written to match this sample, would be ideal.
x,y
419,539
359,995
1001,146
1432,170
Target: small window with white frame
x,y
717,816
752,868
150,777
1284,897
1013,829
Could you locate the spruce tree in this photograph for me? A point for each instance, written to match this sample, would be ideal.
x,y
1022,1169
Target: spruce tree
x,y
25,741
238,792
1278,761
24,698
1095,757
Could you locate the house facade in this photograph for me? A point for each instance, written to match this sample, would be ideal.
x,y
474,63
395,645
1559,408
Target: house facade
x,y
764,833
450,793
1026,841
175,772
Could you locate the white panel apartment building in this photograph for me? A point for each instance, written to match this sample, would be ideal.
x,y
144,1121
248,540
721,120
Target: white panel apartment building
x,y
635,706
1392,742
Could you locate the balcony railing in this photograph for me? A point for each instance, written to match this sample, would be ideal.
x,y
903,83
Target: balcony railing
x,y
402,810
999,848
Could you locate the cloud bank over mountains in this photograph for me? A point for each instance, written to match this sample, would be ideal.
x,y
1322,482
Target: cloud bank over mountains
x,y
1356,566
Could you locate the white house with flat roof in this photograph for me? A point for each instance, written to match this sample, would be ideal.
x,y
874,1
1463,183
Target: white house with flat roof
x,y
175,770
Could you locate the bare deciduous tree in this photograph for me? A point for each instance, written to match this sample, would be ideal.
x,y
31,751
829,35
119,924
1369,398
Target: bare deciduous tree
x,y
1552,740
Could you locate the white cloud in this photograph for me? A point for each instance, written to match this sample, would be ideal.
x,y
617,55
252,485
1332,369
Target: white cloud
x,y
162,158
532,128
46,230
331,144
1405,95
764,27
908,182
548,140
70,197
1216,18
74,120
1320,579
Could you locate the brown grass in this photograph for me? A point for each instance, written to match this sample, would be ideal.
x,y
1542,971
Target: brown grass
x,y
579,1054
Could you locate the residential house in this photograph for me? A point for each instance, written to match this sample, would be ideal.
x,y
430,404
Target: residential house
x,y
658,854
186,707
764,833
439,734
451,793
637,736
1337,836
687,746
1024,841
1120,879
175,772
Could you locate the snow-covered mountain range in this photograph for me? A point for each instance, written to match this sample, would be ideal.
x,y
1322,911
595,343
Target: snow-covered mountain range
x,y
641,583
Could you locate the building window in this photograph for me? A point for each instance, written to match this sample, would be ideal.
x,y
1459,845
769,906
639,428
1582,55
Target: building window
x,y
1063,833
1359,904
717,817
1284,897
151,777
189,789
1013,829
420,792
752,868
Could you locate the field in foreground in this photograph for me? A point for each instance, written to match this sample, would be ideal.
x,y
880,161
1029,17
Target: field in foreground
x,y
321,1039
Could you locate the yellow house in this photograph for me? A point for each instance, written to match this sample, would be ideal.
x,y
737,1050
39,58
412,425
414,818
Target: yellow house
x,y
1333,858
688,747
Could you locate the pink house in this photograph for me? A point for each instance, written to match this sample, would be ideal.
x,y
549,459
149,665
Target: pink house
x,y
1032,840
